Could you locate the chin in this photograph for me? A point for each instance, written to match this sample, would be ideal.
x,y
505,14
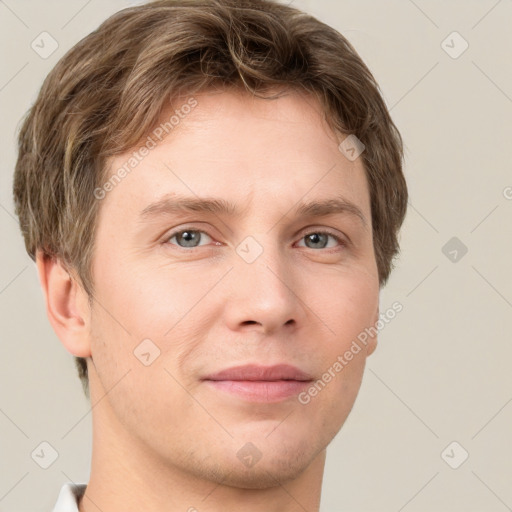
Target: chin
x,y
264,475
277,465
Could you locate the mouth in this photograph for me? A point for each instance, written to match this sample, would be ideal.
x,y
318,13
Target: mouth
x,y
260,383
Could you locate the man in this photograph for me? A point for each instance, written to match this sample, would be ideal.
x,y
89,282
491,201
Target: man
x,y
212,192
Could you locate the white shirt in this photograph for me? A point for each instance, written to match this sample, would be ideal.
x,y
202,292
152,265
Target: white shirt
x,y
68,497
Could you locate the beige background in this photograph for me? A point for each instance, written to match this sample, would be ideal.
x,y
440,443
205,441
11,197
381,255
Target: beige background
x,y
441,372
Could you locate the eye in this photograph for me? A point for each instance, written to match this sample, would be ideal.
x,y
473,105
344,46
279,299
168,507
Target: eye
x,y
187,238
192,238
320,240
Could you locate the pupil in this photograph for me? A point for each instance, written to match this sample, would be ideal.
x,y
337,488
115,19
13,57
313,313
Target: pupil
x,y
188,237
315,237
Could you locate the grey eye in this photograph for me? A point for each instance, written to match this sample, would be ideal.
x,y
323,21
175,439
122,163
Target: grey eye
x,y
188,237
316,240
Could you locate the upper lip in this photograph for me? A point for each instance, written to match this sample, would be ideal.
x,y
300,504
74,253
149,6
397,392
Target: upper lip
x,y
261,373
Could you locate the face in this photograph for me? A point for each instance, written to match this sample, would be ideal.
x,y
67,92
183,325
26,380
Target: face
x,y
228,245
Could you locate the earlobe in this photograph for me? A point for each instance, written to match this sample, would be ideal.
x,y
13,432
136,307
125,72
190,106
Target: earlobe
x,y
66,305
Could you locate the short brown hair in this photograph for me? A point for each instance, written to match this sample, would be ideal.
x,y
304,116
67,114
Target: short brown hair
x,y
109,90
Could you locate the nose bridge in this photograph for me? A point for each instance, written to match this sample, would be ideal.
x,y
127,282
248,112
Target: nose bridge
x,y
262,283
263,261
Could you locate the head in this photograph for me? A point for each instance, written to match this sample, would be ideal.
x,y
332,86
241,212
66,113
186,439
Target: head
x,y
243,104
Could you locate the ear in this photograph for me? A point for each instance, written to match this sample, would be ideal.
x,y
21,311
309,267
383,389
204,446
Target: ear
x,y
371,344
67,305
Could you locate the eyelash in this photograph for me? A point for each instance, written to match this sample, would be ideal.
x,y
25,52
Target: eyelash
x,y
342,243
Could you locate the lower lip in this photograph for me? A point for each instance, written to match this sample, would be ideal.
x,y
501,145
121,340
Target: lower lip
x,y
261,391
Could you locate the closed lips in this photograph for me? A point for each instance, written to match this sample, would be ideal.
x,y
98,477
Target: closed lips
x,y
254,372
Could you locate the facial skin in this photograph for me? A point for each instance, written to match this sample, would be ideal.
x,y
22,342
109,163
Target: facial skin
x,y
163,438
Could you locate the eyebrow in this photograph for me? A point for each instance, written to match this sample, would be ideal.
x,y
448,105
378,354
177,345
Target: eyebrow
x,y
176,204
330,207
181,204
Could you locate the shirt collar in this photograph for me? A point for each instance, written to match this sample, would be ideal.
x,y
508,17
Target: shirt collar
x,y
68,498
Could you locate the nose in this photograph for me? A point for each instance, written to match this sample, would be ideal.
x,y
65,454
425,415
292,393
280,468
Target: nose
x,y
263,295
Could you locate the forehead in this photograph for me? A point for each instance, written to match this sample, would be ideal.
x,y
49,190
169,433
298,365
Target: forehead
x,y
239,147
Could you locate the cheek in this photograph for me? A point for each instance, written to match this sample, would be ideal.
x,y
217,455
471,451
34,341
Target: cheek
x,y
145,301
347,305
162,310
